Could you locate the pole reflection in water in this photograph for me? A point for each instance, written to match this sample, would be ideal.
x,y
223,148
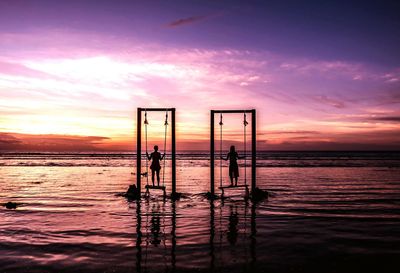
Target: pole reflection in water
x,y
138,237
230,238
253,239
212,235
173,233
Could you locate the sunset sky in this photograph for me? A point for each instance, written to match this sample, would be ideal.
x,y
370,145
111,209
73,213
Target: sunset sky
x,y
322,75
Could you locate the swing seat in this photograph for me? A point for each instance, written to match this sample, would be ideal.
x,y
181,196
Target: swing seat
x,y
155,187
148,187
223,188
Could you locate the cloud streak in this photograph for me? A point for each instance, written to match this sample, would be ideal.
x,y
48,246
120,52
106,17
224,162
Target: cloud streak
x,y
186,21
27,142
395,119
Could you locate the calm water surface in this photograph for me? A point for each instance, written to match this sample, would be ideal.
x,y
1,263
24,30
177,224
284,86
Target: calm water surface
x,y
327,212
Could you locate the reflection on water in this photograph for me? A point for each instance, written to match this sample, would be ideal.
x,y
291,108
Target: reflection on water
x,y
232,227
71,219
234,222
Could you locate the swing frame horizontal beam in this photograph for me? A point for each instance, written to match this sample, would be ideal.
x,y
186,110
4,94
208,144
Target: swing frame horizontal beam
x,y
157,109
253,144
232,111
139,145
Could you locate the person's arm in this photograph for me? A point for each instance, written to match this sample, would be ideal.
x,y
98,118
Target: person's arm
x,y
149,156
162,157
225,158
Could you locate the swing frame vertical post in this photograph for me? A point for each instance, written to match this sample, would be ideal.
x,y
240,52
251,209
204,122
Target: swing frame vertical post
x,y
253,144
139,145
253,150
173,152
139,149
212,151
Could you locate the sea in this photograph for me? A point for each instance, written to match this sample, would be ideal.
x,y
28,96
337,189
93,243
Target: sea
x,y
325,212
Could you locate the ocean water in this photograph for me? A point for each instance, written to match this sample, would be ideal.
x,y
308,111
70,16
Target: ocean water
x,y
326,212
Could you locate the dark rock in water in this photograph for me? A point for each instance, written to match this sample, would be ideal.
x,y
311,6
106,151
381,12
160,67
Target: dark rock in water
x,y
10,205
132,192
176,195
211,196
258,195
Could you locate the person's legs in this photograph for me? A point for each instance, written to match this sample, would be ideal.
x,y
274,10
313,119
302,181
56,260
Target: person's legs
x,y
158,177
236,174
231,177
152,176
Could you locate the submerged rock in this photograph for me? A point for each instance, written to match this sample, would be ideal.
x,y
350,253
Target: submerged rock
x,y
176,195
132,192
258,195
211,196
11,205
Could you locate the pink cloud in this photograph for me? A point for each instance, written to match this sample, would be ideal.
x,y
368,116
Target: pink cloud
x,y
91,84
16,69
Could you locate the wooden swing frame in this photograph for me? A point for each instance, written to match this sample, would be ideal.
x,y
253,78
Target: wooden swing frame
x,y
139,149
253,147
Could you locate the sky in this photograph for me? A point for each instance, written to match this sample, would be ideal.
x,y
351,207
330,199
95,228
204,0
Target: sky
x,y
322,75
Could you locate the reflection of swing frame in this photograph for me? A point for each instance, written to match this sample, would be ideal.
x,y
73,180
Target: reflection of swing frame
x,y
139,145
139,235
253,144
253,234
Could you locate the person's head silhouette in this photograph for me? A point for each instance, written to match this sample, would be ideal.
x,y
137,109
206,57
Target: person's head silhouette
x,y
232,149
155,148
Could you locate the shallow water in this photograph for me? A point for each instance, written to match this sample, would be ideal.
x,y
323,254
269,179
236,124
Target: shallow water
x,y
317,218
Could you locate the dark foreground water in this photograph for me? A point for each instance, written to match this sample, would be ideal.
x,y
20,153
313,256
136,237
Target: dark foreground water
x,y
327,212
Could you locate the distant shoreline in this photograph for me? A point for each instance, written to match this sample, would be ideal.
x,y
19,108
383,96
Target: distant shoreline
x,y
107,153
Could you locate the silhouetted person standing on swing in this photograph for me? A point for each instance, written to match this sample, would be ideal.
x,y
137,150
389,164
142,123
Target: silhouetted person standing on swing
x,y
155,164
233,165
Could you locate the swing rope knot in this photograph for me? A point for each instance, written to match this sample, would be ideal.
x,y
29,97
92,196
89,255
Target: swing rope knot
x,y
166,119
145,119
244,120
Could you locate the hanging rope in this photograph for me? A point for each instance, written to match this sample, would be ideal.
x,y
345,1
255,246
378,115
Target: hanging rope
x,y
147,159
165,144
220,149
245,147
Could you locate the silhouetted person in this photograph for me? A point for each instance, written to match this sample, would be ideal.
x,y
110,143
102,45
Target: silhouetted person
x,y
155,164
233,222
233,165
